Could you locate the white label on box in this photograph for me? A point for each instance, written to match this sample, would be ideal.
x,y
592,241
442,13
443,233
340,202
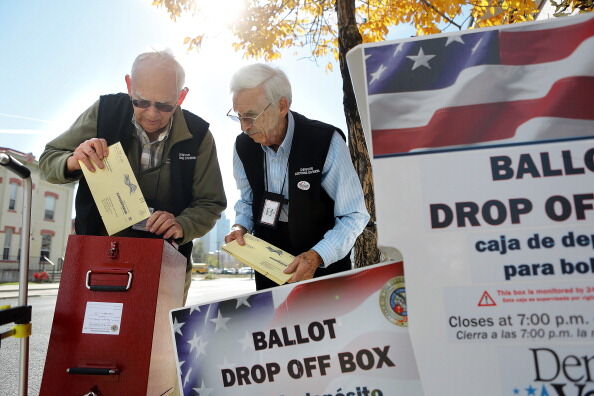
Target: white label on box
x,y
103,318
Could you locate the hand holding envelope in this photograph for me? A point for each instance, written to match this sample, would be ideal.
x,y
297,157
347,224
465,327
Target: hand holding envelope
x,y
90,153
263,257
116,192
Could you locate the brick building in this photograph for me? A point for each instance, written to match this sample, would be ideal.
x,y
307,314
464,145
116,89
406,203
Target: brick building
x,y
51,220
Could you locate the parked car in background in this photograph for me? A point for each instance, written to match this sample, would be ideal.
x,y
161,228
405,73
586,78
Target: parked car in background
x,y
245,270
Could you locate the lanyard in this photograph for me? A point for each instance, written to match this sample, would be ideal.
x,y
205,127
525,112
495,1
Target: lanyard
x,y
272,202
266,176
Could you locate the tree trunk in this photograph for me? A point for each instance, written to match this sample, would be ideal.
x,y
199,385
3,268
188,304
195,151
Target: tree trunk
x,y
366,250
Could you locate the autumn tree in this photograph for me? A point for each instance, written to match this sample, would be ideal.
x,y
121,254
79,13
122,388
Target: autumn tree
x,y
333,27
566,7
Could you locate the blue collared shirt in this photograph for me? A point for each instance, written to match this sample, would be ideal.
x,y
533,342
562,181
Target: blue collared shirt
x,y
339,180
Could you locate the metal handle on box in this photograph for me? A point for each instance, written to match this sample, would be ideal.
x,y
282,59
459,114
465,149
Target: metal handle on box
x,y
92,371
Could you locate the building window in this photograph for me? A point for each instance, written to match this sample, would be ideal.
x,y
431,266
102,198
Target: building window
x,y
46,245
20,244
14,187
50,207
7,242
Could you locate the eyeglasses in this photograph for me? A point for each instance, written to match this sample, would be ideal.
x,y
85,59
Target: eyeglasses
x,y
247,120
145,104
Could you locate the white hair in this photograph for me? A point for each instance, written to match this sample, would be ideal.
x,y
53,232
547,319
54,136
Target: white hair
x,y
274,81
162,58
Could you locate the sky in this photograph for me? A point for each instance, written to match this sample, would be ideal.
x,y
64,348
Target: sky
x,y
57,57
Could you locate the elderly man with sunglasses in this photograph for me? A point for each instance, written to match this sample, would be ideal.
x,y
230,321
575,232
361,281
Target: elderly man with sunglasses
x,y
171,151
299,190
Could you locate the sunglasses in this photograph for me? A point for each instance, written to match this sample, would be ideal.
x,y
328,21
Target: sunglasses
x,y
145,104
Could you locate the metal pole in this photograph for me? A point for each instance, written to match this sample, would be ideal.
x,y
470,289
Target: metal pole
x,y
25,174
23,281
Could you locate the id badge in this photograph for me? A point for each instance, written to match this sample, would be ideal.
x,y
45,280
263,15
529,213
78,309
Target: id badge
x,y
271,209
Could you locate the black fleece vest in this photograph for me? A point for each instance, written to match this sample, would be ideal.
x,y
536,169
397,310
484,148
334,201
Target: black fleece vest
x,y
311,211
114,125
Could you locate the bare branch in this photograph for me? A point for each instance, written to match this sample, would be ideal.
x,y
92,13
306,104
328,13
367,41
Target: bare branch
x,y
444,16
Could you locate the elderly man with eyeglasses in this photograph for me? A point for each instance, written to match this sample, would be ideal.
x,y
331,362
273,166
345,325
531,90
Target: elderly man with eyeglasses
x,y
171,151
299,190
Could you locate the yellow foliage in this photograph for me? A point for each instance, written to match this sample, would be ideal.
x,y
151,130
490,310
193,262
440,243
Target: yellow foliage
x,y
174,7
267,26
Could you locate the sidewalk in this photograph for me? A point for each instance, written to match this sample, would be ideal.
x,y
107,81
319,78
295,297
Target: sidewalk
x,y
35,290
51,289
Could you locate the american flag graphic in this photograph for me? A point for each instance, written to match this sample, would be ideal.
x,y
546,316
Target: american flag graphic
x,y
212,337
514,84
204,337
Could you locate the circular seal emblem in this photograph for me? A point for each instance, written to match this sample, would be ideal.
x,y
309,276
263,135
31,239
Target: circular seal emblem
x,y
303,185
392,301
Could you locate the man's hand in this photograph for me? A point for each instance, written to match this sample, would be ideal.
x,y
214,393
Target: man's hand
x,y
90,152
304,266
236,234
164,223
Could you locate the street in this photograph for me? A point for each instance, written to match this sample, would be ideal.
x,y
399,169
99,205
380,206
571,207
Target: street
x,y
201,291
43,313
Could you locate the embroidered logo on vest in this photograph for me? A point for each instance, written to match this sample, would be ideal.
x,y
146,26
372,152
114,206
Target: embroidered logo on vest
x,y
186,156
307,171
303,185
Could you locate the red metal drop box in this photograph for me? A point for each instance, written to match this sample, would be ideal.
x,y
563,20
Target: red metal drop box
x,y
110,335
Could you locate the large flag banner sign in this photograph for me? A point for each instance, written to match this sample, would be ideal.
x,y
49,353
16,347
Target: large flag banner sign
x,y
340,335
483,163
537,81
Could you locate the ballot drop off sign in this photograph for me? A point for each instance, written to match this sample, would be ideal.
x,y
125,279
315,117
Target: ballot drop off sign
x,y
483,162
339,335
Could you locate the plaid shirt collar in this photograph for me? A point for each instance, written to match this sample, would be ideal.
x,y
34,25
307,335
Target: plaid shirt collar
x,y
151,152
142,135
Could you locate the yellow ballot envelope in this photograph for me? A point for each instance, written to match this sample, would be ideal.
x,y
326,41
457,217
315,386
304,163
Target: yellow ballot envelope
x,y
116,191
263,257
